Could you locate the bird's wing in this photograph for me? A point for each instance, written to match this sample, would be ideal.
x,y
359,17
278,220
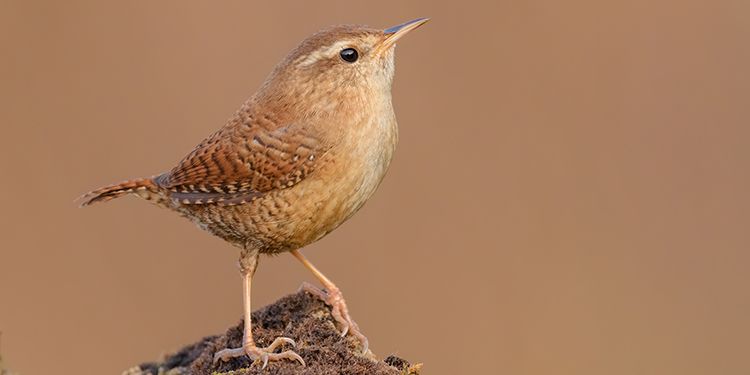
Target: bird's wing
x,y
243,161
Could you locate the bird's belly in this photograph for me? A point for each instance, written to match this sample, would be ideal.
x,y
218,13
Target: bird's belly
x,y
320,206
287,219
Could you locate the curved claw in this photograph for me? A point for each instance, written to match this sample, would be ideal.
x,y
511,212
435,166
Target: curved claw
x,y
339,317
365,344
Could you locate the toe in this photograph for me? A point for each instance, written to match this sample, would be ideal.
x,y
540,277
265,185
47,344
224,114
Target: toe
x,y
288,355
279,342
264,354
339,318
339,311
227,354
365,342
314,290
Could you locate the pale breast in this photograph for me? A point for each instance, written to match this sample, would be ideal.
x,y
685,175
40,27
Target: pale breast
x,y
349,176
359,171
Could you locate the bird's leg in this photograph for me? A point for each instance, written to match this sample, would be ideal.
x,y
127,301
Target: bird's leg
x,y
248,263
333,297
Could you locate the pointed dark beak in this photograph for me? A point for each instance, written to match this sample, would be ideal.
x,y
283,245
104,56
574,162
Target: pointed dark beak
x,y
392,34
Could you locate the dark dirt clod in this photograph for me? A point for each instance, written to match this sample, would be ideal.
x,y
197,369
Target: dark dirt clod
x,y
300,317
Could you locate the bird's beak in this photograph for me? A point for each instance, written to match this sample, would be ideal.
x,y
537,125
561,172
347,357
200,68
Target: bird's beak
x,y
392,34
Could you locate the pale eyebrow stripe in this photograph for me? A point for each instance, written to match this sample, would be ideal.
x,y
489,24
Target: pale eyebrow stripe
x,y
322,52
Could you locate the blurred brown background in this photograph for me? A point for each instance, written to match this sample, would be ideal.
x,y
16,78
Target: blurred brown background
x,y
569,196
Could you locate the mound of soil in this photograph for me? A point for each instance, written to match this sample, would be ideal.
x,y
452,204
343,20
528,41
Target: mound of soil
x,y
300,317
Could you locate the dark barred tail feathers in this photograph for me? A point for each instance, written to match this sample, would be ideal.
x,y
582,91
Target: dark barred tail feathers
x,y
144,187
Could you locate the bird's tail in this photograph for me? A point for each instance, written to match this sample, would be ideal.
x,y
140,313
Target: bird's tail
x,y
143,187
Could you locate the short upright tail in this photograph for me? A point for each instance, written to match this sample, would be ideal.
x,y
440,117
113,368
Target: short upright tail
x,y
113,191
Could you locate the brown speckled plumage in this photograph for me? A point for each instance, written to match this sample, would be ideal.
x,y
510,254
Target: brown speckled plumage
x,y
298,158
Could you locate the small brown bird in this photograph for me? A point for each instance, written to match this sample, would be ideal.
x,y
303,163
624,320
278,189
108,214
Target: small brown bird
x,y
298,159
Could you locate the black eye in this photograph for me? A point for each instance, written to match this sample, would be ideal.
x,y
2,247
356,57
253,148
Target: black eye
x,y
349,55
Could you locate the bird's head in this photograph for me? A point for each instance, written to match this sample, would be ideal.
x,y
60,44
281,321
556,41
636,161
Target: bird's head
x,y
336,67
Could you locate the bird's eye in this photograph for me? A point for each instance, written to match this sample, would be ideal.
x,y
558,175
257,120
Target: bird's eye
x,y
349,55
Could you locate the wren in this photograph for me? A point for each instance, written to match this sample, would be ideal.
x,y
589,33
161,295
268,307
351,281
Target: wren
x,y
298,158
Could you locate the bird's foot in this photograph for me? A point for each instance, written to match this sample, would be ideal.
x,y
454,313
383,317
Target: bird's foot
x,y
339,311
264,354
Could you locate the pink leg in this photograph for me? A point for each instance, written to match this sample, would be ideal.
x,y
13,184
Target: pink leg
x,y
333,297
248,263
